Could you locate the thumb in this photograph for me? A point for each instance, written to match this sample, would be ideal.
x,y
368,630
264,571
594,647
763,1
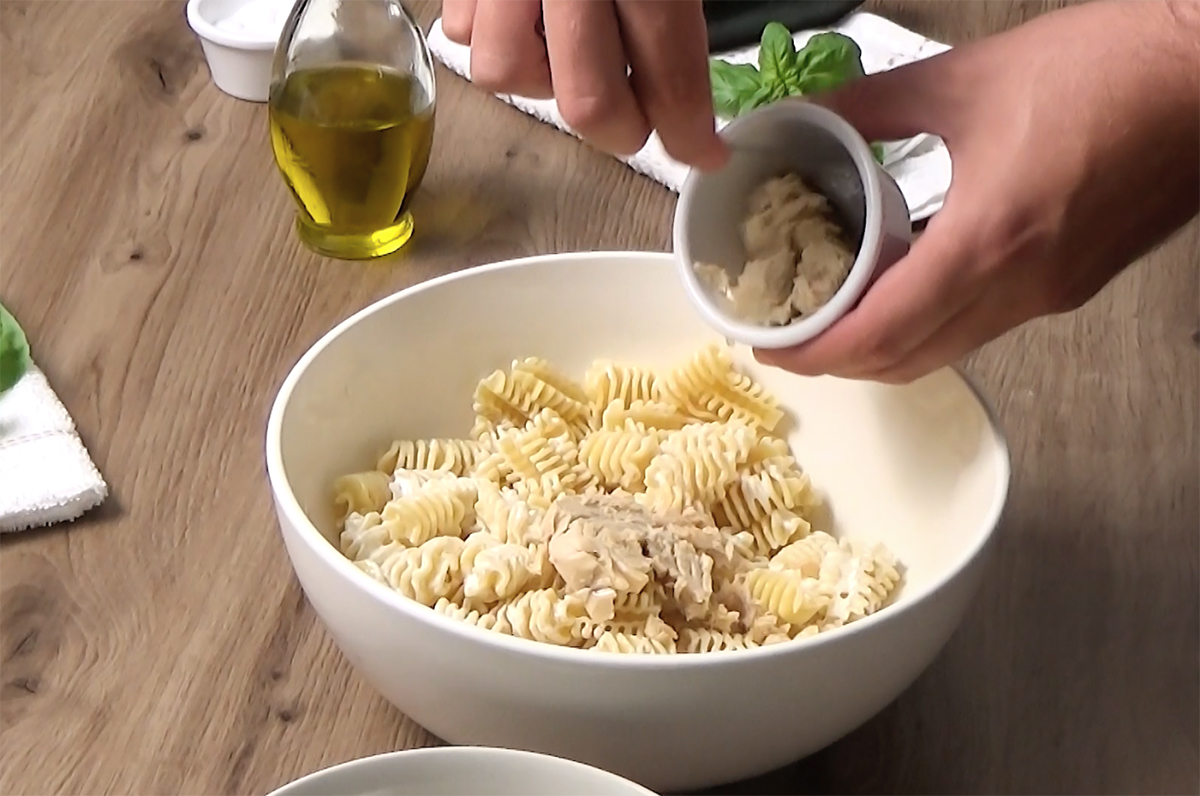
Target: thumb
x,y
897,103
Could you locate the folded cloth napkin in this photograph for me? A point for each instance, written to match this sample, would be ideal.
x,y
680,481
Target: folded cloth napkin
x,y
920,165
46,475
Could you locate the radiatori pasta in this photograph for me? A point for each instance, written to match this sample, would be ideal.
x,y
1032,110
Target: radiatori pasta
x,y
634,512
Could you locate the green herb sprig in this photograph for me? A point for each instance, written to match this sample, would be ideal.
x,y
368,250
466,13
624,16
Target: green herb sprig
x,y
14,351
826,61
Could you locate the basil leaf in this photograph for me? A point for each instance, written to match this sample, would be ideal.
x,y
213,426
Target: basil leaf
x,y
14,351
732,84
827,61
776,52
877,151
765,95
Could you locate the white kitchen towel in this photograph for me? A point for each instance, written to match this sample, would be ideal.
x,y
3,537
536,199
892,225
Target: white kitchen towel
x,y
920,165
46,475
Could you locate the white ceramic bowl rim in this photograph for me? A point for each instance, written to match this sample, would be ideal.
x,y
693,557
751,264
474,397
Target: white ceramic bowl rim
x,y
865,262
308,532
207,29
462,752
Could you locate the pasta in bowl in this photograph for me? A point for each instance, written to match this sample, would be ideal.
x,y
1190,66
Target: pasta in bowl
x,y
537,506
632,511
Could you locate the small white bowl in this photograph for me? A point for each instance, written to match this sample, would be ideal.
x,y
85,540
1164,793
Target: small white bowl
x,y
820,146
240,63
920,467
461,771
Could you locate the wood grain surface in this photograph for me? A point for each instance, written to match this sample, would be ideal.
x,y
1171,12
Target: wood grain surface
x,y
162,645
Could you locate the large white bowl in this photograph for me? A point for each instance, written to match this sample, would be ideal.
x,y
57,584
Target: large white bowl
x,y
461,771
922,468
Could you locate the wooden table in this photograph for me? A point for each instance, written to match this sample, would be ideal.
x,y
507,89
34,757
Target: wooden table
x,y
162,645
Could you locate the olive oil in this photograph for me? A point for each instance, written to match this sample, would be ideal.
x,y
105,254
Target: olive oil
x,y
353,143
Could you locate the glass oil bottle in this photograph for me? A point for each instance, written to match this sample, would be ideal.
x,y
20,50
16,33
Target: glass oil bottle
x,y
351,112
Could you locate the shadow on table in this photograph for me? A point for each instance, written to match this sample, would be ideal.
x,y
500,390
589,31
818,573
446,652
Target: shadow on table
x,y
1077,670
460,223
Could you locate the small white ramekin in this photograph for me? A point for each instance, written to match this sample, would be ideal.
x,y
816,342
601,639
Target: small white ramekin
x,y
821,146
240,64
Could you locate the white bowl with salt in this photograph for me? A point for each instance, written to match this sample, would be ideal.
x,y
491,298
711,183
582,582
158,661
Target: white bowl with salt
x,y
238,38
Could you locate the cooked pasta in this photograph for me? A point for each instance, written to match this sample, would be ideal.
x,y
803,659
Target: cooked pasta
x,y
361,493
806,555
707,387
504,515
363,534
788,595
692,639
498,572
629,642
653,628
440,509
544,371
518,395
698,464
654,416
606,383
544,615
457,456
540,468
427,573
488,620
635,512
769,501
617,458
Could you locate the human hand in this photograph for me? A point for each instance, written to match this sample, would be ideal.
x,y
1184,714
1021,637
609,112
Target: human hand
x,y
1076,148
617,68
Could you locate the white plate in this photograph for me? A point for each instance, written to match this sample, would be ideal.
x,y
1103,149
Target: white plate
x,y
461,771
